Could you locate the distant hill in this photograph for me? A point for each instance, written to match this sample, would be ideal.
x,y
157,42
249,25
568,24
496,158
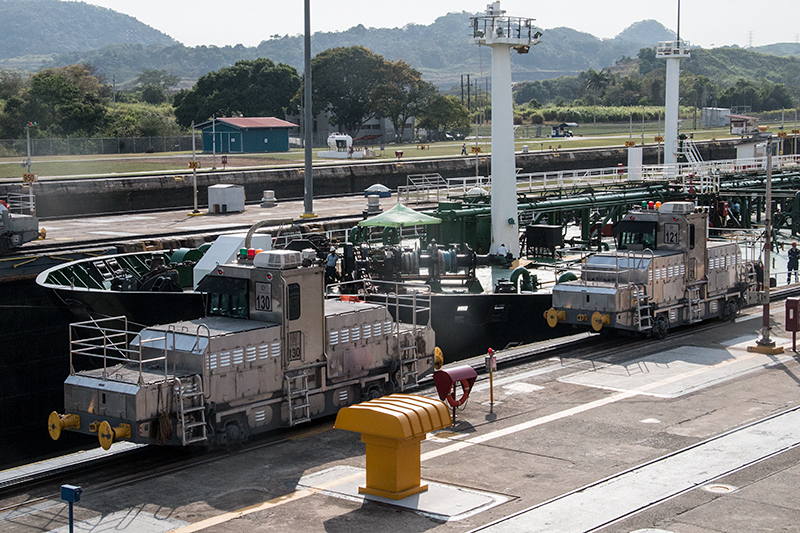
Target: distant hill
x,y
49,33
46,27
441,51
779,49
727,64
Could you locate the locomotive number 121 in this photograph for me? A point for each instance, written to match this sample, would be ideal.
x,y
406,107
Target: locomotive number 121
x,y
672,233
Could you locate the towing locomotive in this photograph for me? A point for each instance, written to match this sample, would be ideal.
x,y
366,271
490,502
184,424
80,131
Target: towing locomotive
x,y
664,273
272,351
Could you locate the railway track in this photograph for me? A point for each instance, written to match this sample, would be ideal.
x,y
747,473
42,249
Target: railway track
x,y
147,461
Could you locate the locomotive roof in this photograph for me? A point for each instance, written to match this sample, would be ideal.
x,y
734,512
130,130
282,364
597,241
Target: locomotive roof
x,y
217,325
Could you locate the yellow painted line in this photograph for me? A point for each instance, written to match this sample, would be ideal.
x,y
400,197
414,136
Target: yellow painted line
x,y
578,409
316,431
280,500
300,494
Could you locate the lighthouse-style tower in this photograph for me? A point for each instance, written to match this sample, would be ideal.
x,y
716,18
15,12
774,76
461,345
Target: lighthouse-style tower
x,y
673,52
503,34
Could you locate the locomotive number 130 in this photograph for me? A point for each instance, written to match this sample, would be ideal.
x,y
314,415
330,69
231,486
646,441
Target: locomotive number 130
x,y
263,294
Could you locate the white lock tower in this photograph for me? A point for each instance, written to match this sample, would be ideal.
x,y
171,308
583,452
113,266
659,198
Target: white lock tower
x,y
673,52
503,34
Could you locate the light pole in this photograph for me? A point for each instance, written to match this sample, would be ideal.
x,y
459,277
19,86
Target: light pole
x,y
29,177
194,172
214,142
308,120
766,345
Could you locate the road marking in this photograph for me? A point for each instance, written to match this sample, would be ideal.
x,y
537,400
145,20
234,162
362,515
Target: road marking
x,y
643,389
297,495
280,500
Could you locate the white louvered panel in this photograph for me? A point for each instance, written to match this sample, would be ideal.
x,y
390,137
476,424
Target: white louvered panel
x,y
263,351
238,356
682,270
212,361
251,352
275,349
355,333
387,327
376,329
224,359
366,331
333,337
261,416
345,335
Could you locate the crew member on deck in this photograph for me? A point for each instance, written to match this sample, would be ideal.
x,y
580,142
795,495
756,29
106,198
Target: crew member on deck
x,y
330,266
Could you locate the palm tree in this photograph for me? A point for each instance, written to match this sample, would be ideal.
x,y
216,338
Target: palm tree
x,y
596,81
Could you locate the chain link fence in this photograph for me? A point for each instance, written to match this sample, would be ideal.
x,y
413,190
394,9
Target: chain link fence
x,y
98,145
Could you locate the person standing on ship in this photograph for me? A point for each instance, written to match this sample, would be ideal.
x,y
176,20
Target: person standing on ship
x,y
330,266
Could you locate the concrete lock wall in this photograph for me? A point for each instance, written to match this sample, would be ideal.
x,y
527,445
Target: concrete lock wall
x,y
69,197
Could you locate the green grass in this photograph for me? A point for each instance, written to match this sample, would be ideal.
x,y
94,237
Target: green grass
x,y
587,136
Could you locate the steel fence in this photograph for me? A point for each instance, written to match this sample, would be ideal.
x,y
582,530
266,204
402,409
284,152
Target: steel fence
x,y
98,145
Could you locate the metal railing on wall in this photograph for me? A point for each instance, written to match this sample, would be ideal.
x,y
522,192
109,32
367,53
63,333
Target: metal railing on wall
x,y
98,145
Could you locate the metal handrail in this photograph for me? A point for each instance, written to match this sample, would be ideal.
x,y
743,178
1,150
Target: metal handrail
x,y
108,340
420,297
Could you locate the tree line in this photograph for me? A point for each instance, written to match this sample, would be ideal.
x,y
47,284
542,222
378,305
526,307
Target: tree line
x,y
351,84
641,82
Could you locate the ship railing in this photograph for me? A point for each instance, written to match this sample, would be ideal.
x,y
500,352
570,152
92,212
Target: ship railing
x,y
423,188
106,340
19,203
409,303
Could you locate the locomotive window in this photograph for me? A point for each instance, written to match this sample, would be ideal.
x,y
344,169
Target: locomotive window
x,y
226,296
635,235
691,236
294,301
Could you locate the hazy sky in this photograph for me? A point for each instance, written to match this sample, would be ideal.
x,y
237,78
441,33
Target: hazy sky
x,y
703,22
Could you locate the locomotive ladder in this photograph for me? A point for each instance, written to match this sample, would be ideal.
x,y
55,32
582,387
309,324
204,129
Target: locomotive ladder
x,y
190,401
297,395
408,367
644,313
695,300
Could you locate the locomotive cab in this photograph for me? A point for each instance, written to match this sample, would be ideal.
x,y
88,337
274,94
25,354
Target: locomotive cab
x,y
663,273
270,352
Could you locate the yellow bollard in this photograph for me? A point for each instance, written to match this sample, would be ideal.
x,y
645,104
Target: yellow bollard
x,y
392,427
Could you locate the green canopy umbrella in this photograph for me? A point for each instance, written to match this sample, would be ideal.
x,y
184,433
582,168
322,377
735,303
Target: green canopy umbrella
x,y
399,216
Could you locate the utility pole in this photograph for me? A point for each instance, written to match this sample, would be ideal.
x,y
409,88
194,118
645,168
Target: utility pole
x,y
29,177
308,195
214,142
194,172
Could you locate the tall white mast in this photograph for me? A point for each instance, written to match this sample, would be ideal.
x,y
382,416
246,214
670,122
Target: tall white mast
x,y
673,52
503,33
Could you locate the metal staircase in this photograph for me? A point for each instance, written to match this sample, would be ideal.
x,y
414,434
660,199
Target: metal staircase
x,y
191,412
297,396
644,310
692,155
